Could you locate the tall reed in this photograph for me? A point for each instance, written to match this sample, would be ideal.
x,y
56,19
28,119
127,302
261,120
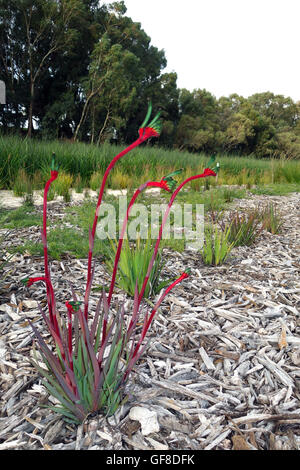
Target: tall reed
x,y
85,159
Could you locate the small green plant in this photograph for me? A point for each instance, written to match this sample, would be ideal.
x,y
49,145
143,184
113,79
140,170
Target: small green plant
x,y
120,180
51,193
96,180
63,185
217,246
243,229
22,186
79,184
133,265
229,194
290,172
38,180
271,219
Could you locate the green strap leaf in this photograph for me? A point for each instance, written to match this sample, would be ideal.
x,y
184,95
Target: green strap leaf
x,y
177,172
211,161
147,115
54,166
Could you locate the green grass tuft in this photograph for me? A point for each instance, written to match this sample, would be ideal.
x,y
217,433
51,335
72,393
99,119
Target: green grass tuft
x,y
21,217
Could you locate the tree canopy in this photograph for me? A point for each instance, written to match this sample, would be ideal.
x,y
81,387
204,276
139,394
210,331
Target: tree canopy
x,y
82,70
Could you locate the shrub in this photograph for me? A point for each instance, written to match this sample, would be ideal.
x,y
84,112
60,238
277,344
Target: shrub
x,y
120,180
229,194
78,184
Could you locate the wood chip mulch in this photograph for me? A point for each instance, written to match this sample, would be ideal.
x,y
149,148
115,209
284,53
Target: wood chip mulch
x,y
223,367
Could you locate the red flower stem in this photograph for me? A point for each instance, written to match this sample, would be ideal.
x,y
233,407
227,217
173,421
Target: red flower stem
x,y
66,358
104,328
149,184
70,380
155,184
135,144
118,254
50,290
120,243
50,297
70,337
173,197
155,308
149,320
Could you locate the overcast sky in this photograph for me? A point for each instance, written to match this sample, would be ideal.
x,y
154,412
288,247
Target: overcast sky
x,y
226,46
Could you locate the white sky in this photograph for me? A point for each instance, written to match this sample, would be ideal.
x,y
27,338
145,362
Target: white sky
x,y
226,46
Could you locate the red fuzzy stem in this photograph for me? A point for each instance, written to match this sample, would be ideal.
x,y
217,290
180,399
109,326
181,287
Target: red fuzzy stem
x,y
207,172
149,321
149,184
117,257
70,337
50,292
139,141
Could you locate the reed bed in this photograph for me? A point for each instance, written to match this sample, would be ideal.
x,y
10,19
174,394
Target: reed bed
x,y
85,163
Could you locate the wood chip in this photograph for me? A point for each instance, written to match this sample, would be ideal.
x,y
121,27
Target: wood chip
x,y
207,361
239,443
282,340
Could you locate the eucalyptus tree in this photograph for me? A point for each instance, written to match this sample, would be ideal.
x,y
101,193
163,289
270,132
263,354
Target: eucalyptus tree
x,y
197,125
32,31
123,73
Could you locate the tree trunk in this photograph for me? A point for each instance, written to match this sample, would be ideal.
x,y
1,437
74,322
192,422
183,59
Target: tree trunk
x,y
103,127
93,125
83,115
30,111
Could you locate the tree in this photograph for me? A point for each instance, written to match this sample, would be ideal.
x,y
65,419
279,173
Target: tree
x,y
165,97
47,27
287,146
197,125
281,110
34,31
240,130
124,72
12,63
58,96
118,93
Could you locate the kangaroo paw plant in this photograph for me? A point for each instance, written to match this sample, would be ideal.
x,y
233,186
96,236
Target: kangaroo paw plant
x,y
88,360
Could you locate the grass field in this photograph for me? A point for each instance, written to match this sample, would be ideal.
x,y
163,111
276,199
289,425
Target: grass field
x,y
25,164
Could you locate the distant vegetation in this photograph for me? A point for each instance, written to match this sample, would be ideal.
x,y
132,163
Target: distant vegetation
x,y
24,165
83,70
